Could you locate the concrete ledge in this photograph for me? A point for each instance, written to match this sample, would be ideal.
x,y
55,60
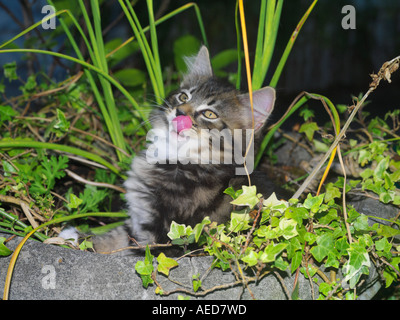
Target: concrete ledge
x,y
47,272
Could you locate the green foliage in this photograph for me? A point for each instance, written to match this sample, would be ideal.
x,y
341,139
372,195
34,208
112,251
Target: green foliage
x,y
284,233
4,251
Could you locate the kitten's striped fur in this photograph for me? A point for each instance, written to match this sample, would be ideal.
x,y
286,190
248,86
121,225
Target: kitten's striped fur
x,y
157,194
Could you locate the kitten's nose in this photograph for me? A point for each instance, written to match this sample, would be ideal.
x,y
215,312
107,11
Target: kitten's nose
x,y
179,112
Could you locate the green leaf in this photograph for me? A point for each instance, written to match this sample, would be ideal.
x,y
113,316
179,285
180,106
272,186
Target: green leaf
x,y
86,244
251,258
165,264
342,245
29,86
280,263
4,251
389,274
239,222
326,217
130,77
223,59
247,198
185,46
74,201
198,229
7,113
296,261
271,251
8,168
177,231
297,214
331,192
357,264
62,124
10,71
387,231
145,268
309,128
323,248
306,113
196,282
383,245
288,227
314,203
381,167
361,223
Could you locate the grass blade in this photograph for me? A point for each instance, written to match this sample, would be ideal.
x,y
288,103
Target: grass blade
x,y
288,49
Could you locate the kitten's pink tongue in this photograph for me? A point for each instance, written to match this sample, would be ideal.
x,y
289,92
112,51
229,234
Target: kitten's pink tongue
x,y
181,123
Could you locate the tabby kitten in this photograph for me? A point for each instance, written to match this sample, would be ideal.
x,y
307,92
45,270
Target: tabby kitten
x,y
174,179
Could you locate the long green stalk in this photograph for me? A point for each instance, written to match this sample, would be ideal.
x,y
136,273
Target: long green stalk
x,y
148,56
292,109
84,64
100,61
270,14
289,46
154,46
17,224
271,132
59,147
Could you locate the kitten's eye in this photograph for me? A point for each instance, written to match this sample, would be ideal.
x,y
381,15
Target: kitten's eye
x,y
209,114
183,97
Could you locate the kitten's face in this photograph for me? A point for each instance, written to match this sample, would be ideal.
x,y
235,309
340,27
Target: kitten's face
x,y
207,111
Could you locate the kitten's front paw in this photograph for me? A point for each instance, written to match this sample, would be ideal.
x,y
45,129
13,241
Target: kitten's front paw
x,y
71,234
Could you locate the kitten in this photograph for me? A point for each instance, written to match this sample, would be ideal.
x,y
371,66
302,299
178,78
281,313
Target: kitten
x,y
195,151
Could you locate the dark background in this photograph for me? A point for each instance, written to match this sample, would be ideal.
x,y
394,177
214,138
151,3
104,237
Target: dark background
x,y
325,59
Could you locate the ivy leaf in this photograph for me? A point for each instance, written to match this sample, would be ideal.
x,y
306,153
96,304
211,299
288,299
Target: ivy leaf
x,y
247,198
331,192
381,168
293,246
4,251
357,264
389,274
296,261
198,229
309,128
145,268
271,251
179,230
326,217
297,214
313,203
165,264
342,245
332,260
196,282
288,227
323,248
251,258
239,222
387,231
383,245
361,223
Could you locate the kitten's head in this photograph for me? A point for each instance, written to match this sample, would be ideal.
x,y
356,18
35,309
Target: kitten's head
x,y
204,107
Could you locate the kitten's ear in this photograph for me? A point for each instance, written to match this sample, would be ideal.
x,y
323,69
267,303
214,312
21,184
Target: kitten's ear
x,y
263,104
199,65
